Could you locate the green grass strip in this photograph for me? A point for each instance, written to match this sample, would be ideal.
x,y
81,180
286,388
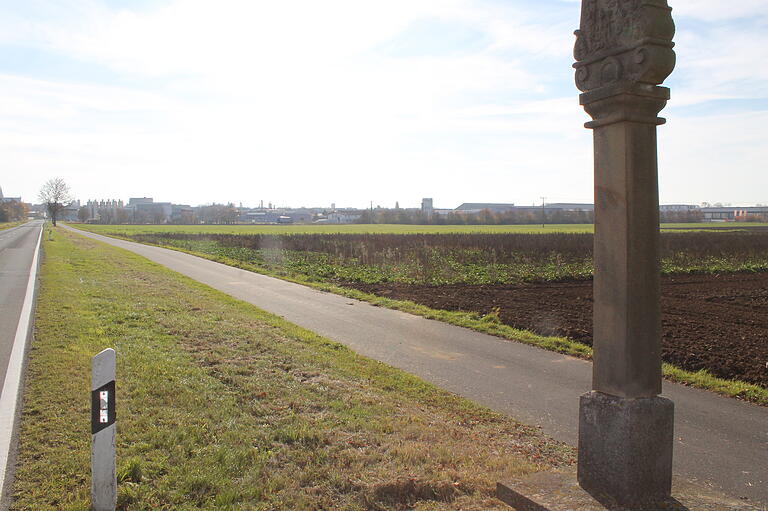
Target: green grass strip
x,y
223,406
9,225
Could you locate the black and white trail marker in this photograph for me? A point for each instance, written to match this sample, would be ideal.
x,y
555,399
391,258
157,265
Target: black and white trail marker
x,y
103,476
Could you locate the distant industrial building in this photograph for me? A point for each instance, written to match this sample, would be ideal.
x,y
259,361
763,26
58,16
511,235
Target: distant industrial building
x,y
344,217
427,207
104,211
570,206
476,207
183,214
70,212
144,210
735,213
678,207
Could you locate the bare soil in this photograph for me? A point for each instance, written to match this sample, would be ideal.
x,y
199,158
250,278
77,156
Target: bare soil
x,y
713,322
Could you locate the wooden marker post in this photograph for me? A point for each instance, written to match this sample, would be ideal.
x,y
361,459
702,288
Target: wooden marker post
x,y
103,477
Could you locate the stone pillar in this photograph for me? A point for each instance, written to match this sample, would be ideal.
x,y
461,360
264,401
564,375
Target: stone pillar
x,y
623,53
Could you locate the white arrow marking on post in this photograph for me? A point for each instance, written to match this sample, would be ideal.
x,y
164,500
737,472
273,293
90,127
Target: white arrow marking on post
x,y
103,474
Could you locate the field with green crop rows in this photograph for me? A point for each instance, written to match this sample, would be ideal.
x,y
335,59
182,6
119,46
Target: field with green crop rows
x,y
440,259
128,230
123,230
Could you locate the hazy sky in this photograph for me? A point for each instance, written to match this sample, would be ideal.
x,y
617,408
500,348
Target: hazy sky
x,y
307,102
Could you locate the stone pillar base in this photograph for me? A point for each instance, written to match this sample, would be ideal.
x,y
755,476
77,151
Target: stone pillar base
x,y
625,448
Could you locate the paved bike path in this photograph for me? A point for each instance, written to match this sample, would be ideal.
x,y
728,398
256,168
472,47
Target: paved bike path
x,y
720,441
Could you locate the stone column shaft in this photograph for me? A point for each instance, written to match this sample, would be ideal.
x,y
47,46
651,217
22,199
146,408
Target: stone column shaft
x,y
625,428
627,324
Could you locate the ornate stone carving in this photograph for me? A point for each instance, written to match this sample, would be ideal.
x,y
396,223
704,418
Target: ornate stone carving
x,y
624,42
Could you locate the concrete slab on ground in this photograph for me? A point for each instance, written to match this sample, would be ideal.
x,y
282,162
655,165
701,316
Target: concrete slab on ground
x,y
558,490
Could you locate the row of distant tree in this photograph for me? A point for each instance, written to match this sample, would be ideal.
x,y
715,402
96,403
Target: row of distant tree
x,y
484,217
13,211
516,217
696,215
229,214
55,194
681,217
214,214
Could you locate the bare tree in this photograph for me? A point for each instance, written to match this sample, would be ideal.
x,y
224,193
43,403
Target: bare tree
x,y
13,210
55,195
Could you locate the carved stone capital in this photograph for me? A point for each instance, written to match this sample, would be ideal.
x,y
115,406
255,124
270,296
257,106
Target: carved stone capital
x,y
623,43
625,103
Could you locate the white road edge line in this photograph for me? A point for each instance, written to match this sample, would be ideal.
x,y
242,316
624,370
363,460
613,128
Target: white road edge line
x,y
9,399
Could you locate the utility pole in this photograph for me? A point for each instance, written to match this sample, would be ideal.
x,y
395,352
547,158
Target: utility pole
x,y
542,211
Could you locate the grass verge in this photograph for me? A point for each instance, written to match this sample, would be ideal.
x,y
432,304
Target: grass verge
x,y
223,406
9,225
491,325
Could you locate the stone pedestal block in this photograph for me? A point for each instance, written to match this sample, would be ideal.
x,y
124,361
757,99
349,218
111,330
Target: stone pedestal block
x,y
625,449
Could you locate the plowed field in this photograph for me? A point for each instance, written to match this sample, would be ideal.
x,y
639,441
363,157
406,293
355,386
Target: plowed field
x,y
713,322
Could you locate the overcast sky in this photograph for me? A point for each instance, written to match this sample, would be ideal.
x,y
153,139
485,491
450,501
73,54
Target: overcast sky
x,y
307,102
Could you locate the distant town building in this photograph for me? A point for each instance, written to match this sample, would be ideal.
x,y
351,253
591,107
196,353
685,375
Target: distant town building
x,y
183,214
133,201
38,210
111,211
300,216
344,217
570,206
427,207
70,212
8,199
258,216
678,207
12,209
144,210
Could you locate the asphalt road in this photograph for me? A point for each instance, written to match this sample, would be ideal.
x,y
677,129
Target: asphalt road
x,y
17,255
719,441
17,245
